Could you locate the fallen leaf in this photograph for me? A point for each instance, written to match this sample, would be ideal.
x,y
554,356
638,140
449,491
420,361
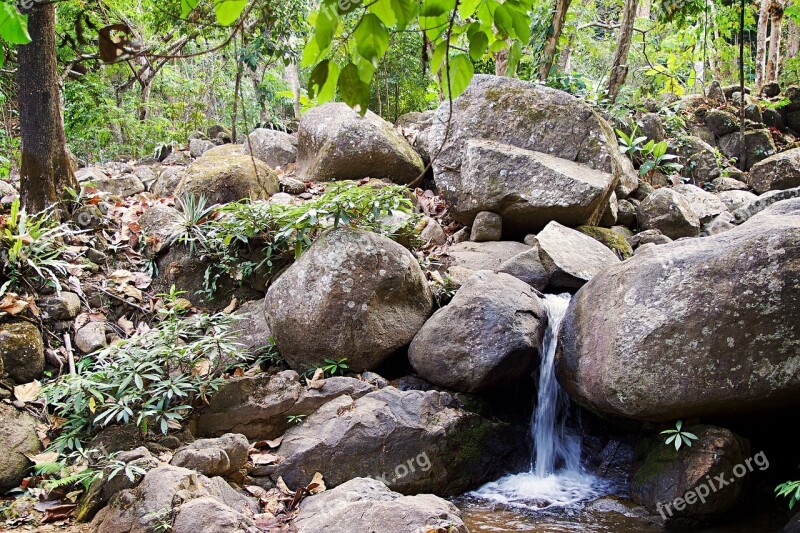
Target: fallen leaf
x,y
263,458
318,380
133,292
202,368
126,325
317,485
274,443
43,458
28,392
13,304
231,306
255,490
238,373
143,280
281,486
61,512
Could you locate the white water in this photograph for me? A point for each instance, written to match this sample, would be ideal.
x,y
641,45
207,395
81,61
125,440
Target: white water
x,y
555,477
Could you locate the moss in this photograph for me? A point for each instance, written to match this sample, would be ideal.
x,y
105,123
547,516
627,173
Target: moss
x,y
610,239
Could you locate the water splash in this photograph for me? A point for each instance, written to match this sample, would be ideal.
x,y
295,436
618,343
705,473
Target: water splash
x,y
555,477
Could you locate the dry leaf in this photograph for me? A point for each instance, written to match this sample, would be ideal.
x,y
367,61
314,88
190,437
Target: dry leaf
x,y
238,373
133,292
143,280
231,306
263,458
126,325
317,485
202,368
281,486
318,380
28,392
274,443
13,304
43,458
255,490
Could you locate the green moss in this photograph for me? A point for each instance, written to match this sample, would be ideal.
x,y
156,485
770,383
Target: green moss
x,y
610,239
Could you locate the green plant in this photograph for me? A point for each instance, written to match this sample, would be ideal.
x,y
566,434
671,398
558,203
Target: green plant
x,y
678,436
791,490
162,519
331,367
269,355
631,145
658,160
188,230
296,419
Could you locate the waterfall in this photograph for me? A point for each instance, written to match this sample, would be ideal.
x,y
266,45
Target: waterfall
x,y
555,477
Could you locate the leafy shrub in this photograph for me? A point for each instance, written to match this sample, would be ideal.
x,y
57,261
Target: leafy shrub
x,y
791,490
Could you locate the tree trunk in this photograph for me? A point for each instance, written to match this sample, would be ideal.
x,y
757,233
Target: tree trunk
x,y
501,62
643,11
46,170
774,54
619,64
792,39
551,44
294,82
146,84
761,42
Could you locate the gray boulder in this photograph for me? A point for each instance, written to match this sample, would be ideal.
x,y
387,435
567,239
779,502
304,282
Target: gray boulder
x,y
760,203
64,306
728,184
670,212
22,351
759,146
18,439
252,331
275,148
228,178
527,266
705,205
221,456
197,147
168,181
735,200
124,185
487,226
721,123
781,171
484,255
159,224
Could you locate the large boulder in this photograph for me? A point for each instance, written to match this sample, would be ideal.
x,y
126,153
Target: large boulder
x,y
758,146
364,504
228,178
484,255
535,146
275,148
259,406
487,336
18,439
334,143
414,441
760,203
692,328
781,171
21,351
221,456
670,212
705,204
353,294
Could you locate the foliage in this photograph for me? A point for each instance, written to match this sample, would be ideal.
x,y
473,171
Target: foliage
x,y
195,213
678,436
152,380
651,156
791,490
296,419
332,367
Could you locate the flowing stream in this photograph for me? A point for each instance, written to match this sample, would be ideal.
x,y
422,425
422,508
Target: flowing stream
x,y
555,477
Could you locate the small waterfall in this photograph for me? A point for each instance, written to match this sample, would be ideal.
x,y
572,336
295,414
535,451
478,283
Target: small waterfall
x,y
556,477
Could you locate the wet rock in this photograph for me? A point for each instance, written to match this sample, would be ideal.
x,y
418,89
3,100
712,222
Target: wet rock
x,y
22,351
487,226
18,439
64,306
275,148
669,212
781,171
91,337
228,178
221,456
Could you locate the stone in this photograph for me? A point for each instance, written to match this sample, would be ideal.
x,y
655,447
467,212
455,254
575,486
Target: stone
x,y
124,185
177,157
432,232
610,212
292,185
252,331
734,200
771,89
228,178
570,257
715,92
275,148
610,239
168,181
488,335
652,127
334,142
485,255
781,171
209,515
699,159
221,456
759,145
773,118
752,113
759,203
668,474
353,294
159,224
671,213
642,191
721,123
414,441
90,175
638,341
364,504
21,350
91,337
650,236
259,406
487,226
704,204
64,306
626,213
719,224
793,121
197,147
528,267
728,184
519,122
18,439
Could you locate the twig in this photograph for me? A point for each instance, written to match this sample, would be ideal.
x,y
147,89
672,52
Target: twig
x,y
70,354
123,300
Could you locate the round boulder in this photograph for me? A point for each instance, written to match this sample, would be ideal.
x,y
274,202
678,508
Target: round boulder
x,y
275,148
228,178
22,351
17,439
671,213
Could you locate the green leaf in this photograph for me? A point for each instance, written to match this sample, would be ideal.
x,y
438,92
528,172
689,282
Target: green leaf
x,y
311,53
327,23
13,25
404,12
354,92
460,74
228,11
467,8
384,11
323,80
344,7
438,56
187,6
372,39
478,44
522,27
514,56
504,20
2,56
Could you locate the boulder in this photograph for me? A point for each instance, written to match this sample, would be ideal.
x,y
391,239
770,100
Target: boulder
x,y
719,224
259,406
414,441
760,203
652,127
64,306
198,147
705,205
721,123
22,351
291,185
609,238
637,341
125,185
221,456
18,439
225,150
168,181
728,184
487,226
773,119
252,331
487,336
781,171
364,504
499,123
571,257
793,121
335,143
159,223
275,148
682,486
734,200
671,213
715,91
759,146
353,294
485,255
650,236
228,178
626,213
432,232
527,266
698,157
91,337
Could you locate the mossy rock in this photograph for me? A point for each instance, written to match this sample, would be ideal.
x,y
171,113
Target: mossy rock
x,y
610,239
21,351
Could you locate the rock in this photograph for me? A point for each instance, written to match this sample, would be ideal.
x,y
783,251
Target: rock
x,y
90,175
650,236
699,159
7,192
642,191
793,121
197,147
760,203
651,126
758,142
364,504
64,306
671,213
258,406
353,294
414,441
432,232
691,475
771,90
487,336
570,257
252,332
22,351
191,502
125,185
626,213
719,224
705,205
91,337
636,341
159,223
793,526
228,178
528,267
752,113
500,123
168,181
610,239
721,123
275,148
715,92
214,457
292,185
734,200
487,226
281,198
485,255
334,142
610,212
18,439
781,171
728,184
773,119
